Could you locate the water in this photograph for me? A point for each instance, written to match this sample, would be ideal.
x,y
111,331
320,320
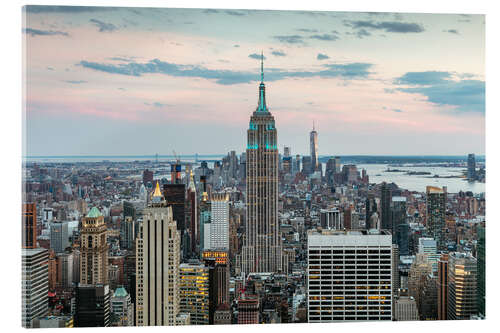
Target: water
x,y
419,182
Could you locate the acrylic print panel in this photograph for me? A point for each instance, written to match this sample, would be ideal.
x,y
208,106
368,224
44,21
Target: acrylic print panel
x,y
211,166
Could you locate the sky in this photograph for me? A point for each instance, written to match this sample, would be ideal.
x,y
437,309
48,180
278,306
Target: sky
x,y
140,81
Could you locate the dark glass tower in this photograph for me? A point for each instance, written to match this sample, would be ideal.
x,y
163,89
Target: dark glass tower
x,y
262,246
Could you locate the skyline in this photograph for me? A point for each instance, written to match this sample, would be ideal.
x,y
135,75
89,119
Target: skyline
x,y
381,99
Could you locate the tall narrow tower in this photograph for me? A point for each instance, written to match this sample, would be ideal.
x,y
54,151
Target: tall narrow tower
x,y
93,249
313,140
262,246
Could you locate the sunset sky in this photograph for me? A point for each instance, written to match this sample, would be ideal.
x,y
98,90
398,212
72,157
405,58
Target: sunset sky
x,y
136,81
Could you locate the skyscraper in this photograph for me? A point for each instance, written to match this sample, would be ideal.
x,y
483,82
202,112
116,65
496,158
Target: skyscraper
x,y
192,212
35,284
262,246
218,263
175,196
93,249
442,286
337,288
29,226
385,205
194,292
313,142
92,305
219,226
471,167
436,214
462,286
481,270
59,237
157,265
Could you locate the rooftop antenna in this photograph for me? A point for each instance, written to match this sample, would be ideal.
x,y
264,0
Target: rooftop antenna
x,y
262,66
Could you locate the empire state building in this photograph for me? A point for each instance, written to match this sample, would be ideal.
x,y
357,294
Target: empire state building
x,y
261,250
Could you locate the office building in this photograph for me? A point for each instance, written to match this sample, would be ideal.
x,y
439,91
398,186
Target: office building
x,y
261,251
93,249
122,309
481,270
349,275
34,284
385,207
248,309
218,263
462,286
219,225
192,213
402,238
147,177
175,196
92,308
59,237
331,219
194,292
471,167
157,265
398,215
405,309
29,225
53,322
127,233
419,269
428,246
436,214
442,287
205,217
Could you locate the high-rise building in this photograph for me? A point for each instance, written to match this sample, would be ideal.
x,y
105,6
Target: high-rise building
x,y
481,270
192,213
331,219
219,225
29,232
471,167
157,265
122,308
53,322
398,215
92,305
313,142
127,233
462,286
420,268
65,262
330,171
248,309
436,214
218,263
385,207
338,288
296,165
175,197
194,292
59,237
287,165
428,246
35,284
442,286
261,251
175,173
306,165
396,280
147,177
370,208
405,309
93,249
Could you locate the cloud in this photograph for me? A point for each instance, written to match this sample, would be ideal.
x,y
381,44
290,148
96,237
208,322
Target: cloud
x,y
50,68
362,33
307,30
255,56
37,9
103,26
290,39
452,31
423,78
387,26
236,45
157,104
75,81
325,37
322,56
277,53
347,71
37,32
439,88
397,110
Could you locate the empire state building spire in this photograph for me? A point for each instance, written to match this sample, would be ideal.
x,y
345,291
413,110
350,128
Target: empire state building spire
x,y
262,107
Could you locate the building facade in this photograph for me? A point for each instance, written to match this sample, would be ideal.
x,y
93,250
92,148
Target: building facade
x,y
219,225
349,276
436,214
194,292
462,286
34,284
